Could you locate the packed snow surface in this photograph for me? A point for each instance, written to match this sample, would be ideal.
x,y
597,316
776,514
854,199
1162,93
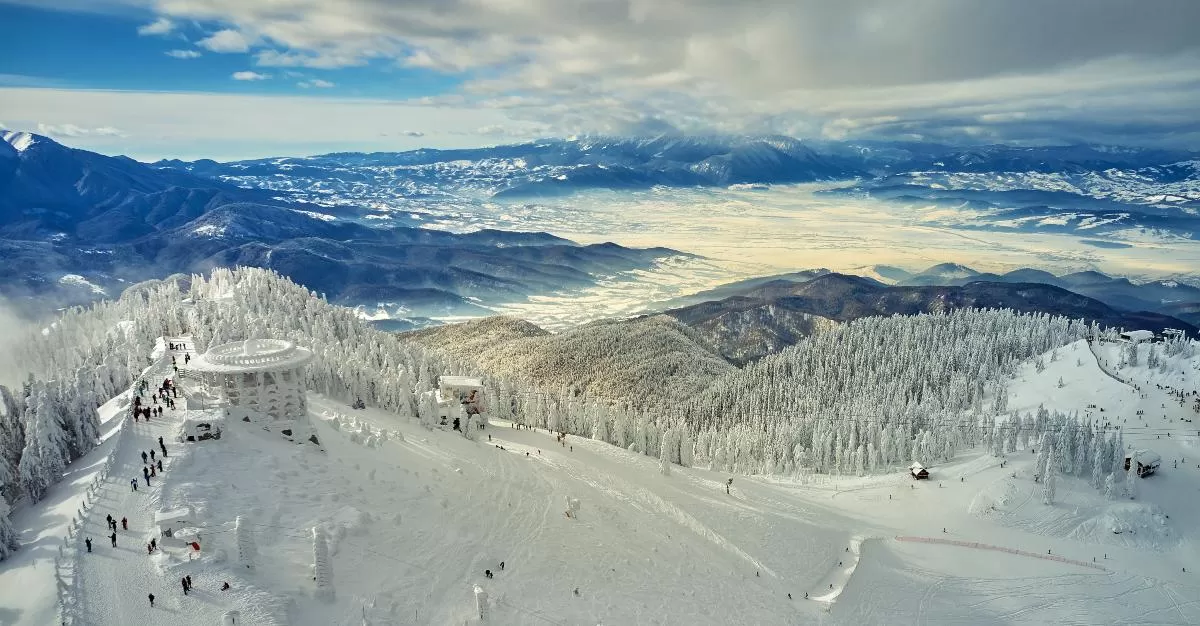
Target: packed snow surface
x,y
412,518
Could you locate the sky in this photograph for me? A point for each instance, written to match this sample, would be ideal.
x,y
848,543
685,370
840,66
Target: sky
x,y
231,79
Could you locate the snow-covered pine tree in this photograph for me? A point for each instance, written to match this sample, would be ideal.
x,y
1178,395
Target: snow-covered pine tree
x,y
44,457
1050,479
600,425
1117,466
1099,454
1131,479
1039,464
322,567
1111,489
664,459
244,536
9,542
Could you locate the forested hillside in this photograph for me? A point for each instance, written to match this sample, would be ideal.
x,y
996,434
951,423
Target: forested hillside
x,y
871,388
653,362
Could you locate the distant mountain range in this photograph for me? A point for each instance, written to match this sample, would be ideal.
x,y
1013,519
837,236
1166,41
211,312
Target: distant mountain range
x,y
765,317
75,225
1092,191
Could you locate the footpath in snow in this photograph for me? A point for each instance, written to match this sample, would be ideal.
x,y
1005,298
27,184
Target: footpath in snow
x,y
114,583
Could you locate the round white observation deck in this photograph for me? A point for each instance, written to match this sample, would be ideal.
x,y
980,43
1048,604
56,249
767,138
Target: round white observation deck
x,y
252,355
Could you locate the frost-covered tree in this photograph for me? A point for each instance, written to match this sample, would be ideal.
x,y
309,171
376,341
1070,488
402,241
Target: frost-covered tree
x,y
600,426
244,536
322,567
1111,489
1050,478
1043,455
1099,469
8,535
1131,479
664,459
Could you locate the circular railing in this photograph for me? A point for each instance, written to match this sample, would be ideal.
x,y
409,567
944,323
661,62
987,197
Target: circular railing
x,y
255,353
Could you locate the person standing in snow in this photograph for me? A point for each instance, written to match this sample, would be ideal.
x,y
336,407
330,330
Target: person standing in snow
x,y
183,581
88,541
143,457
133,482
162,445
124,523
113,537
189,579
160,465
108,518
151,600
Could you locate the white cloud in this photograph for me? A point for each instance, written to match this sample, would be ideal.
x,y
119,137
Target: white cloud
x,y
707,64
182,54
247,75
315,83
225,41
325,59
73,131
229,126
160,26
808,67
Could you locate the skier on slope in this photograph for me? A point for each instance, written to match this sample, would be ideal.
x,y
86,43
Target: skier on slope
x,y
183,581
162,445
143,457
133,482
124,523
113,537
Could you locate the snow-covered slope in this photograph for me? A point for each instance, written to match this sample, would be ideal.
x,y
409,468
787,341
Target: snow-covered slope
x,y
414,517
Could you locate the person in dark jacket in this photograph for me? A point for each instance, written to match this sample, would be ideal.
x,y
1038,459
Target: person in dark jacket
x,y
151,600
113,537
124,523
160,465
183,581
88,541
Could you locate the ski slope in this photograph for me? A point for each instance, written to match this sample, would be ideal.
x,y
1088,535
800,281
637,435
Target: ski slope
x,y
414,517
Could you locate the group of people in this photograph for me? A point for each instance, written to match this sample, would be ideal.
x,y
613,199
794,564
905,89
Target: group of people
x,y
112,526
166,393
151,464
487,573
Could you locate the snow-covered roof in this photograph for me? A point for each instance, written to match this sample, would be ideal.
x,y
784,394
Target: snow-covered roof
x,y
460,381
1146,457
252,355
1139,335
916,467
173,515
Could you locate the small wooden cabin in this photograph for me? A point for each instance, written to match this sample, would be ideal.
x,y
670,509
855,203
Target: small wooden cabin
x,y
1147,462
918,471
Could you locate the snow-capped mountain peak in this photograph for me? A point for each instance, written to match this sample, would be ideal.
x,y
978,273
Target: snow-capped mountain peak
x,y
19,140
